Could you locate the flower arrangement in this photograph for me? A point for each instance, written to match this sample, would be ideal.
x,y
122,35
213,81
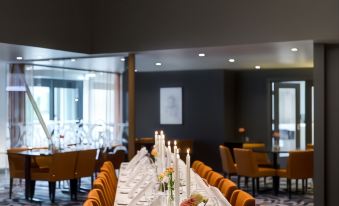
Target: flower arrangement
x,y
166,178
194,200
154,152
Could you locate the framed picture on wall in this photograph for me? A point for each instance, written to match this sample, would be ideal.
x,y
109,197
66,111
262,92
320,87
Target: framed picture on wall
x,y
171,105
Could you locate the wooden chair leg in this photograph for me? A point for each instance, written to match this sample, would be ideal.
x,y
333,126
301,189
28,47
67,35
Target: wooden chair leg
x,y
265,181
303,186
253,186
238,182
289,188
32,188
257,183
306,186
246,182
10,187
52,191
296,186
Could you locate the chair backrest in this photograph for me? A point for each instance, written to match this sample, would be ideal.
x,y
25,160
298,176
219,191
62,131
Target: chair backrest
x,y
91,202
262,158
85,165
227,160
195,164
16,162
253,145
63,166
204,170
108,167
242,198
300,164
102,185
116,158
246,164
98,195
214,178
227,187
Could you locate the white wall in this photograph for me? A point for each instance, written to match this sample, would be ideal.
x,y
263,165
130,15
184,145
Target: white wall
x,y
3,115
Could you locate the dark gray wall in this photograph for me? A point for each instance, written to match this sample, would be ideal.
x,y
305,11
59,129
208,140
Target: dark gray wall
x,y
60,24
253,103
204,114
143,25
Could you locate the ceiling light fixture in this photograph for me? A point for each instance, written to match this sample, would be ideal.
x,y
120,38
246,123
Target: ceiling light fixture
x,y
158,64
257,67
231,60
19,58
294,49
201,54
122,59
135,70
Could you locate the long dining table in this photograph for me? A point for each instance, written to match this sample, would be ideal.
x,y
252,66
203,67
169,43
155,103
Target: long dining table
x,y
138,185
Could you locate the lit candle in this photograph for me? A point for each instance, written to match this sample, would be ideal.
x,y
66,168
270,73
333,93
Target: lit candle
x,y
156,138
188,173
176,178
175,146
169,146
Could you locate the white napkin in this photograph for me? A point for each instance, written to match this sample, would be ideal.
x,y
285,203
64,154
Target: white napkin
x,y
141,194
143,179
222,200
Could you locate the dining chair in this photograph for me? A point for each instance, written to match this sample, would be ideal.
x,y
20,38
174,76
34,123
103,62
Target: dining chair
x,y
196,164
92,202
242,198
85,164
227,187
98,196
203,171
62,168
16,165
253,145
299,166
228,165
247,167
117,156
108,183
109,168
214,178
101,185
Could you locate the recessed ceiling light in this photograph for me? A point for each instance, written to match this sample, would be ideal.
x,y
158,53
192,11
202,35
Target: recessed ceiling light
x,y
135,70
73,60
158,64
294,49
201,54
19,58
257,67
231,60
122,59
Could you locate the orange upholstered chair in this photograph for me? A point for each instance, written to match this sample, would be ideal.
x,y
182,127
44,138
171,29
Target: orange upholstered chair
x,y
62,168
241,198
299,166
228,165
85,165
102,185
214,178
253,145
247,167
227,187
109,169
196,164
203,171
98,196
92,202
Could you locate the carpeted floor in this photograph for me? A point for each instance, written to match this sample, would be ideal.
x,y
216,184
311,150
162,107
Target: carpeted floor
x,y
62,198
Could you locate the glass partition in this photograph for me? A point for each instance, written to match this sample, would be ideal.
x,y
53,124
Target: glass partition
x,y
78,107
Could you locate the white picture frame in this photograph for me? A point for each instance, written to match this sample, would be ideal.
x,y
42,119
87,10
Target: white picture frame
x,y
171,105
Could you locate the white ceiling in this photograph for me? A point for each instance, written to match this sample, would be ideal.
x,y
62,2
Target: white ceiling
x,y
266,55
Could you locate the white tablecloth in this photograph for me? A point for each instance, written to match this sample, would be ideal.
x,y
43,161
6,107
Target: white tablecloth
x,y
137,186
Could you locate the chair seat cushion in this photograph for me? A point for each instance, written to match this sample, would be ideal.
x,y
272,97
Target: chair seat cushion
x,y
265,172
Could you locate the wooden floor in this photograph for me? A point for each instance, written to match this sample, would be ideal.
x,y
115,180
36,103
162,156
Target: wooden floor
x,y
62,198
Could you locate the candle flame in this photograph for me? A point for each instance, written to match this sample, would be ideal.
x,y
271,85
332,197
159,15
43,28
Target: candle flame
x,y
175,142
161,132
169,143
188,150
156,132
